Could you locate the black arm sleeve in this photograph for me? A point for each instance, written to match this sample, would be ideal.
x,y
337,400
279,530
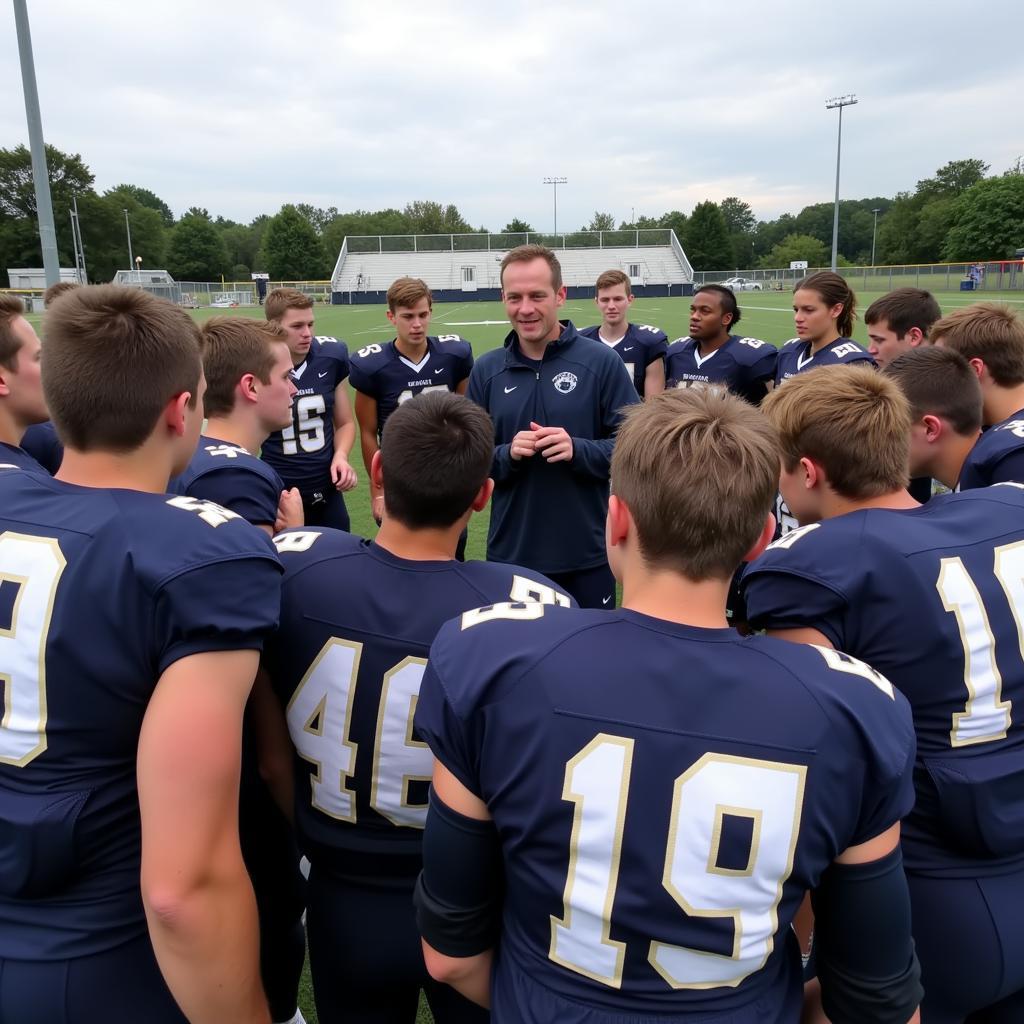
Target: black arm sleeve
x,y
868,970
458,895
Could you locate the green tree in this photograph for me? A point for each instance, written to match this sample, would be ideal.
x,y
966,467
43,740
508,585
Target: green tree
x,y
739,217
988,220
144,197
797,247
293,251
953,178
195,250
517,227
104,234
429,218
68,175
707,238
317,217
601,222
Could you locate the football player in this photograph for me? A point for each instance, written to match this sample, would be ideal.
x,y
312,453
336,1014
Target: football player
x,y
385,375
641,346
990,337
358,618
823,311
556,402
898,322
130,625
21,389
945,401
710,354
866,554
249,392
312,454
628,807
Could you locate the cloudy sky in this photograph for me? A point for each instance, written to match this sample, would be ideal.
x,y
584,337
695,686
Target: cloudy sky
x,y
644,105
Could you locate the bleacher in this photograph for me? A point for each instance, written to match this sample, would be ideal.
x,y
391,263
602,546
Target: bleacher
x,y
469,266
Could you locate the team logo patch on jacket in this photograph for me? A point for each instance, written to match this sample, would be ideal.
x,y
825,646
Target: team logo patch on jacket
x,y
564,382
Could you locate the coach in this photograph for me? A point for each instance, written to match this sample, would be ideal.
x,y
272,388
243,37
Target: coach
x,y
555,398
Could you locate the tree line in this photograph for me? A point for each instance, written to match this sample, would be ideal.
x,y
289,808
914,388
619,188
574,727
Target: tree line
x,y
960,214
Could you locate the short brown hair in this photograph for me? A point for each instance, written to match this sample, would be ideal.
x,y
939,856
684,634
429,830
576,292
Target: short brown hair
x,y
55,291
852,421
280,300
11,307
904,308
113,358
940,382
988,331
699,470
834,291
527,253
234,346
436,453
613,279
406,292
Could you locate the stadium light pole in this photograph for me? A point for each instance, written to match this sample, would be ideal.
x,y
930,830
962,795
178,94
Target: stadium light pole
x,y
874,232
840,102
128,230
40,174
554,183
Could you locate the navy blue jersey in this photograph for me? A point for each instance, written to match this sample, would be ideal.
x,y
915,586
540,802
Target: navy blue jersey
x,y
997,456
664,794
43,444
100,591
640,346
743,365
232,477
302,453
795,357
386,376
550,516
933,598
356,626
13,457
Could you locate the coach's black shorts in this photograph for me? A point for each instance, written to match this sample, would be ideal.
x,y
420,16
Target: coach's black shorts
x,y
325,507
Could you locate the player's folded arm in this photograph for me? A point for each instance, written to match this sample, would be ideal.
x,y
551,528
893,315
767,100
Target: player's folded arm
x,y
862,942
459,893
779,601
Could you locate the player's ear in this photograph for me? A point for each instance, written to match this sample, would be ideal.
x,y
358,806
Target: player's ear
x,y
619,521
560,295
915,336
247,387
767,532
978,365
933,427
813,473
5,387
376,471
176,413
483,495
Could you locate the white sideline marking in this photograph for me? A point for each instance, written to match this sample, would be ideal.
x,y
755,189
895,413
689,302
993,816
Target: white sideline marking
x,y
452,312
475,323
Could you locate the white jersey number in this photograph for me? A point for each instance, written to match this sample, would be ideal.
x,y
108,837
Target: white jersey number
x,y
34,566
309,416
769,794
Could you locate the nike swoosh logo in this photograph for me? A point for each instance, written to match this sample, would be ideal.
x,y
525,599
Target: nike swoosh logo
x,y
508,390
324,374
629,348
605,600
442,371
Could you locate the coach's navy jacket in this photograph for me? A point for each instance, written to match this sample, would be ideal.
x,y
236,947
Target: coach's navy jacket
x,y
550,516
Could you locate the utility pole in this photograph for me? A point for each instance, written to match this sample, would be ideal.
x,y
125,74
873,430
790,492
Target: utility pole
x,y
40,175
832,104
554,183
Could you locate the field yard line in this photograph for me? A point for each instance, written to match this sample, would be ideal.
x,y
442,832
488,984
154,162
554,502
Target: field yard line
x,y
475,323
372,330
452,312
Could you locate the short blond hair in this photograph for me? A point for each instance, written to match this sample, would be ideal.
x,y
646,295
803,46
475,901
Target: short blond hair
x,y
852,421
698,470
989,331
232,347
406,292
613,279
280,300
55,291
529,253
